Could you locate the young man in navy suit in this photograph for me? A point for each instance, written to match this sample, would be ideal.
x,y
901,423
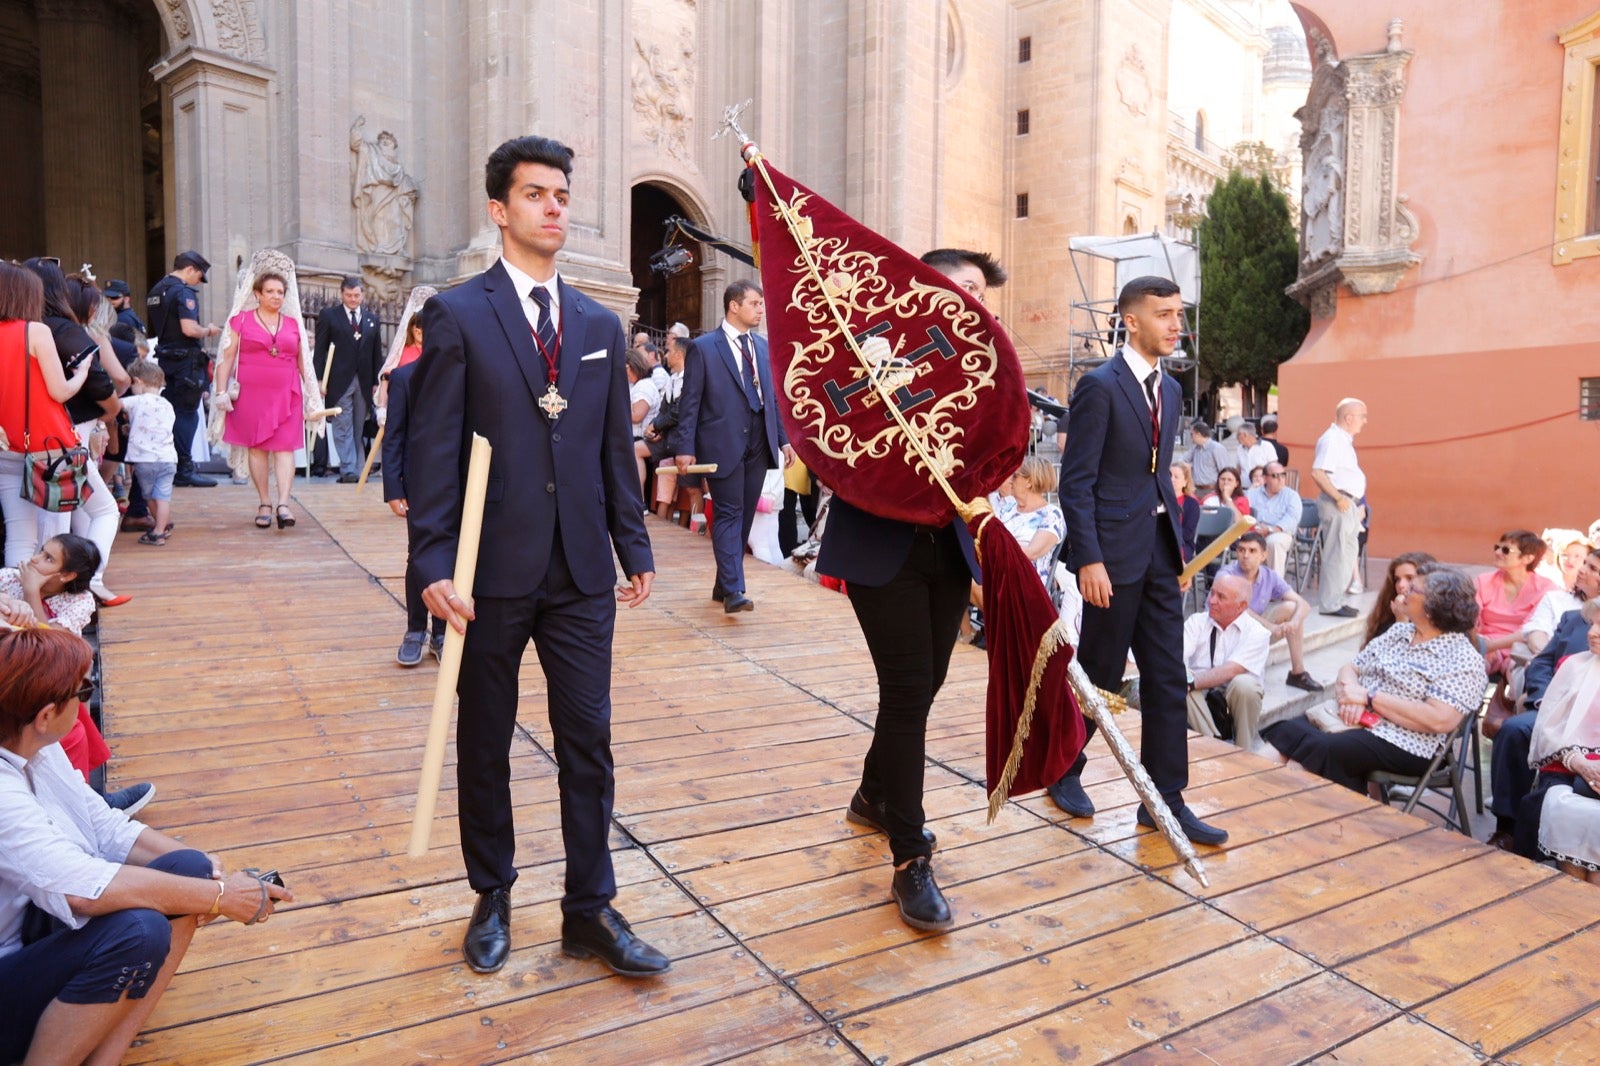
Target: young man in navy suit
x,y
521,357
1122,541
728,415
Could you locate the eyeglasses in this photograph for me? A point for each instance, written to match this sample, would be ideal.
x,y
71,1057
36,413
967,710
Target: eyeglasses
x,y
1504,549
85,691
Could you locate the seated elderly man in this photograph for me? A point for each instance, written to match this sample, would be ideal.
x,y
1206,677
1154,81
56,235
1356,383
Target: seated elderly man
x,y
1409,689
1276,508
1225,656
1280,609
1511,777
96,910
1253,451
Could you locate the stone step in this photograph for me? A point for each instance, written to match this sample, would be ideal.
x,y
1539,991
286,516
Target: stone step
x,y
1322,630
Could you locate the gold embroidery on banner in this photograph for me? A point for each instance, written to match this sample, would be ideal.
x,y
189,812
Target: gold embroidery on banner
x,y
852,280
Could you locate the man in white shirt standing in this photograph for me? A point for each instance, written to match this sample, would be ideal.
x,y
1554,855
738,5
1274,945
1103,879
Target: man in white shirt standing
x,y
1339,476
1225,656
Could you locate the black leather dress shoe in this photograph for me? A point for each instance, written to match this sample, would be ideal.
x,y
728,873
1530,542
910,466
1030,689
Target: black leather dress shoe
x,y
717,594
736,602
922,905
871,815
1190,823
349,479
608,937
1068,794
488,939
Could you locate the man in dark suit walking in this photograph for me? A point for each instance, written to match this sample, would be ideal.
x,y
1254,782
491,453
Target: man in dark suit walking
x,y
1123,542
521,357
352,331
728,415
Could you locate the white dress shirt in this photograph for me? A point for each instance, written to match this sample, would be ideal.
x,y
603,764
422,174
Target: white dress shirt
x,y
524,284
733,336
57,839
1245,642
1141,369
1336,456
1258,454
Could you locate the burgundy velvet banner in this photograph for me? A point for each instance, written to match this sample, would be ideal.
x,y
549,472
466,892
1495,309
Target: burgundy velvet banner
x,y
954,374
1017,612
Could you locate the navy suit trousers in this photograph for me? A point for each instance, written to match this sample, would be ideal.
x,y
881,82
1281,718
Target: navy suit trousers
x,y
734,494
1146,616
572,633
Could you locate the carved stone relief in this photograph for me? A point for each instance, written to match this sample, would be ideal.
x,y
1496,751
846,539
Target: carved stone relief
x,y
1355,226
663,93
1133,83
178,18
238,30
385,199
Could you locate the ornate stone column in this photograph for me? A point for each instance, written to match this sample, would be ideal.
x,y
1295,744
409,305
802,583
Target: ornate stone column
x,y
218,196
93,189
1355,226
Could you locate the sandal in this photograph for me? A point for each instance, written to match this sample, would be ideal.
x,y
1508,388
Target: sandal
x,y
153,538
264,516
285,516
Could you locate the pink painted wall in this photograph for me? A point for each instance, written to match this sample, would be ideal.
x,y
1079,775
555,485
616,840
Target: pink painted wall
x,y
1470,367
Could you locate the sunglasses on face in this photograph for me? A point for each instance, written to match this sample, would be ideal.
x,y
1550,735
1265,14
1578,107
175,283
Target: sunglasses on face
x,y
1504,549
85,691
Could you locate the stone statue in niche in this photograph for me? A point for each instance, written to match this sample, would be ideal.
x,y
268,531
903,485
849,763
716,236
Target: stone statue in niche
x,y
1322,194
384,195
661,97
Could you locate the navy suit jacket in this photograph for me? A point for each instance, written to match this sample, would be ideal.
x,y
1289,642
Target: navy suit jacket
x,y
353,359
713,412
480,373
1571,636
394,433
867,549
1108,491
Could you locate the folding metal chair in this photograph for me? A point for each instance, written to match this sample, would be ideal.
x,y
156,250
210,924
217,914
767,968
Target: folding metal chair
x,y
1444,772
1305,554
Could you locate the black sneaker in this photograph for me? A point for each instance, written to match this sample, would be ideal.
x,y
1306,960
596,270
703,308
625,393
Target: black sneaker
x,y
922,905
410,653
132,799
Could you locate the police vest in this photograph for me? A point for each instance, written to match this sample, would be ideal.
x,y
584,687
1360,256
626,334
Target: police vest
x,y
166,323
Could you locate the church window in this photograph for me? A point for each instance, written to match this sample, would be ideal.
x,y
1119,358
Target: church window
x,y
1022,205
1577,228
1024,49
1022,123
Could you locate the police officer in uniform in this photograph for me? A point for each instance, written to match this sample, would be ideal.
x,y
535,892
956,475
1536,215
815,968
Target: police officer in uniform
x,y
121,298
173,306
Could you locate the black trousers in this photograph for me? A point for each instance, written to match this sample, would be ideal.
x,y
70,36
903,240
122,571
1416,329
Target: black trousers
x,y
572,632
788,524
417,617
1146,617
734,494
1344,758
910,625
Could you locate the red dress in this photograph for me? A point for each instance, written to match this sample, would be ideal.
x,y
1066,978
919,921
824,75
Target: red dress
x,y
270,412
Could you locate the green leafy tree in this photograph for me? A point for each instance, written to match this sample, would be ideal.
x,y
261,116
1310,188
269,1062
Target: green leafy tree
x,y
1249,254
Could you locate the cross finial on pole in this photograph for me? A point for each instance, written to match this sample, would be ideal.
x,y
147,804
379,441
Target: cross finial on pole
x,y
730,121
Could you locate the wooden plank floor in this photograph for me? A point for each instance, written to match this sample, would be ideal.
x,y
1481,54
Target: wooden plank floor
x,y
252,678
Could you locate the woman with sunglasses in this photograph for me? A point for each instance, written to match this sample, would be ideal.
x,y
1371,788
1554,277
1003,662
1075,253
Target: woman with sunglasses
x,y
1508,594
96,910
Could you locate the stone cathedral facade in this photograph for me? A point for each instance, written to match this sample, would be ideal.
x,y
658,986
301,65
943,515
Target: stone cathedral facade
x,y
351,134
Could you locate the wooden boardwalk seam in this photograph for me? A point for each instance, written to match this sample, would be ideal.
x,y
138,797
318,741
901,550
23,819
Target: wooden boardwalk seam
x,y
253,680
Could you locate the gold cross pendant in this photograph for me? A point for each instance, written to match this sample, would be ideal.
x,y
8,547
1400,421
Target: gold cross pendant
x,y
552,403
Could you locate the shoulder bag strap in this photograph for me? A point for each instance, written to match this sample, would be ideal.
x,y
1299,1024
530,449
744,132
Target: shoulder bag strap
x,y
27,392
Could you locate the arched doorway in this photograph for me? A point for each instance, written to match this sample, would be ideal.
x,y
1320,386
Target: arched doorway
x,y
84,129
663,300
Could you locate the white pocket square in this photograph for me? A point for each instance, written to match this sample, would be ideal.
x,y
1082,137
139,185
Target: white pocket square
x,y
601,354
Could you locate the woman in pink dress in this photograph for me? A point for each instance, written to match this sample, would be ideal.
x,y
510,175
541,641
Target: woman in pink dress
x,y
268,415
1508,594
